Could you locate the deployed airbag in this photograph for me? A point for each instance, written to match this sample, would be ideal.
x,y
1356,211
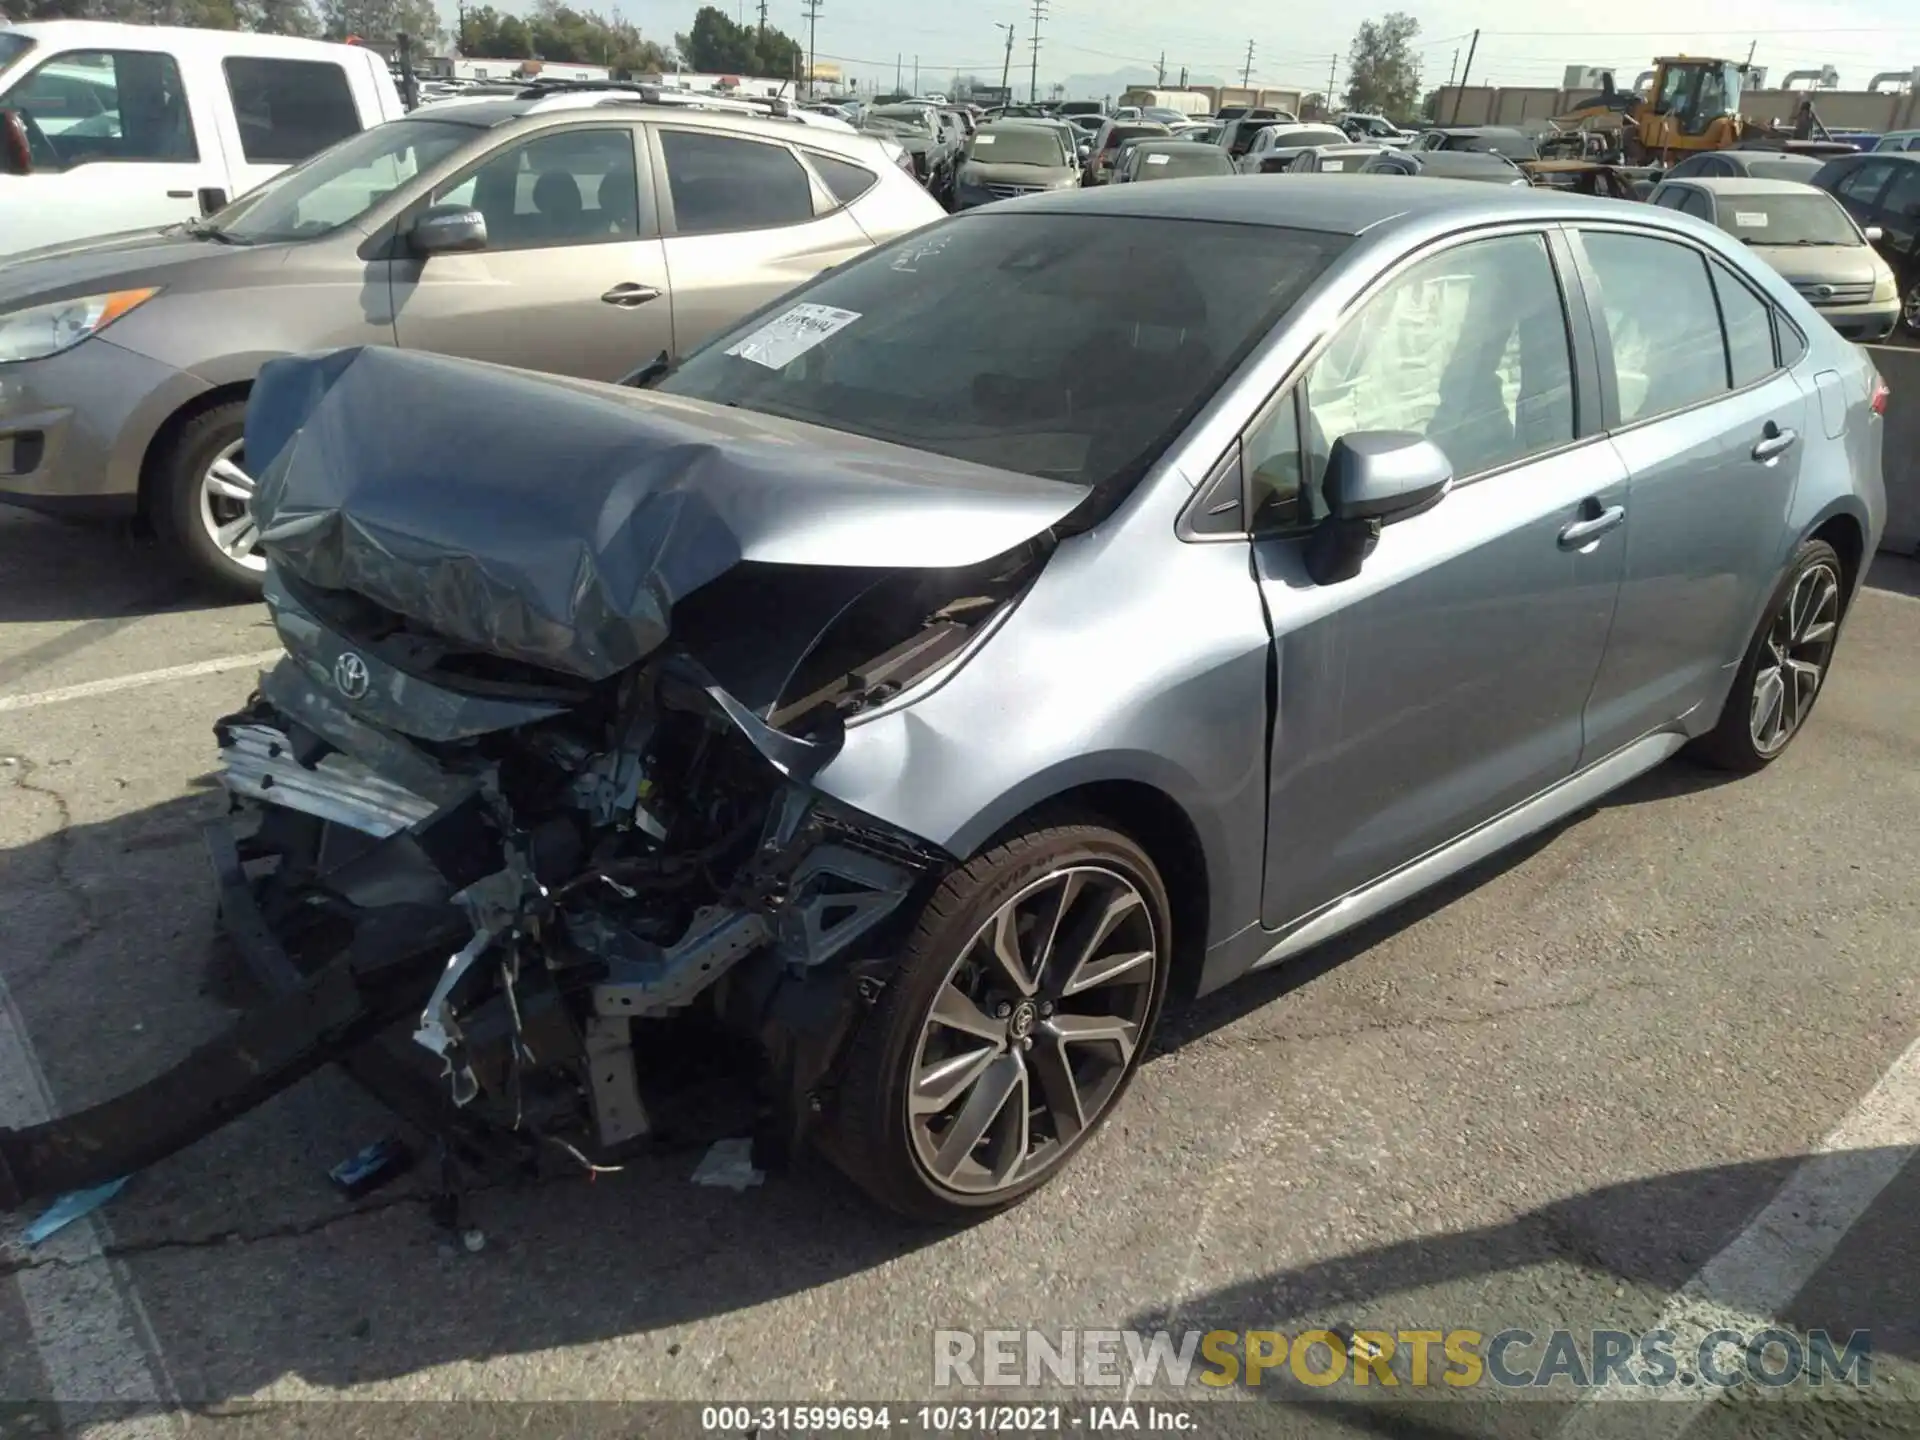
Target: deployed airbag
x,y
556,521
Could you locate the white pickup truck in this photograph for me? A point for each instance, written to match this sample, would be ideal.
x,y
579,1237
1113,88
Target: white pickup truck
x,y
107,127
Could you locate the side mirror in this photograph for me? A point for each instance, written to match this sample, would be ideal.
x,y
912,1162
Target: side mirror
x,y
16,149
1874,234
1085,151
447,230
1374,477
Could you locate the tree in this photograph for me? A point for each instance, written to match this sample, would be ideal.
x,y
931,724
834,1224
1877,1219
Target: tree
x,y
716,45
1313,107
280,17
382,21
1383,72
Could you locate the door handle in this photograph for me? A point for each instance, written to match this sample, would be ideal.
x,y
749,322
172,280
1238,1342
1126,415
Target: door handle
x,y
629,295
1774,441
1582,533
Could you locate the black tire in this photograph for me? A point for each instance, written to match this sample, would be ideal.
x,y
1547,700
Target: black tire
x,y
870,1135
1732,744
177,515
1909,324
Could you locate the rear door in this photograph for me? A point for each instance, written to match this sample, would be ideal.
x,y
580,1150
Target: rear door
x,y
744,221
1710,427
574,276
1445,682
1898,214
122,138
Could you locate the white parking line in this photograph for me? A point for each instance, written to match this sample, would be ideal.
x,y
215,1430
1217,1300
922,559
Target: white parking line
x,y
1783,1247
95,1343
89,688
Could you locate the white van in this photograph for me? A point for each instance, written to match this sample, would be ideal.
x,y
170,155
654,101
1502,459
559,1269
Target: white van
x,y
107,127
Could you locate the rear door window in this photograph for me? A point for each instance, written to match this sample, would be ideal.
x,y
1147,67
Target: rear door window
x,y
89,105
1662,322
1749,325
721,183
289,109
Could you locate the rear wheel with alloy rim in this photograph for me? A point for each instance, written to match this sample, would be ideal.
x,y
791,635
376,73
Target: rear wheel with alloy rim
x,y
1910,305
1021,1009
205,505
1785,665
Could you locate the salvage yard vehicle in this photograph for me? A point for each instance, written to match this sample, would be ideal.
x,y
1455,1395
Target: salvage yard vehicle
x,y
945,665
107,127
1106,145
573,232
1343,159
1882,192
1482,165
1757,161
1011,159
1169,159
1805,235
1271,151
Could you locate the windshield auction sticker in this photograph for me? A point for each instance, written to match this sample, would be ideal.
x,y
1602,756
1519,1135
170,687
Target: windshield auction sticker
x,y
788,336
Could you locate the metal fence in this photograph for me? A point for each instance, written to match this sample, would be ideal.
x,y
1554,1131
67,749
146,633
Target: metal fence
x,y
1901,369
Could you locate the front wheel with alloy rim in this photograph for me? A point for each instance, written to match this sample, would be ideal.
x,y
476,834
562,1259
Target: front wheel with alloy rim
x,y
1785,665
1910,306
1020,1010
205,500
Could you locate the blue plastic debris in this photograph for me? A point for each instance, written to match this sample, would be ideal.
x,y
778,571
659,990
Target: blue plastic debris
x,y
71,1207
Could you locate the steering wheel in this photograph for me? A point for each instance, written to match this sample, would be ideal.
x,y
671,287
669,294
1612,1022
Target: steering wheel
x,y
39,145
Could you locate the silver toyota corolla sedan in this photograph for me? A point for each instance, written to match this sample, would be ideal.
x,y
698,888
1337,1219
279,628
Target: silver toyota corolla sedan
x,y
948,663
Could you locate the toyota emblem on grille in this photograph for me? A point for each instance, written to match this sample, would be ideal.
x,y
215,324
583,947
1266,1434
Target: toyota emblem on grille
x,y
1825,292
350,675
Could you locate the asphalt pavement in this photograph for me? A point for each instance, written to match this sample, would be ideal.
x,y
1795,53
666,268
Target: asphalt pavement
x,y
1661,1058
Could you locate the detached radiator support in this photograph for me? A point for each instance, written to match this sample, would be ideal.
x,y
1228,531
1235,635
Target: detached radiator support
x,y
269,1049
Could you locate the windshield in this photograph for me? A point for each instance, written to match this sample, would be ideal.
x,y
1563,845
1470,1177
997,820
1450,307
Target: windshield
x,y
1809,219
989,338
1175,161
908,117
1783,167
338,186
1017,145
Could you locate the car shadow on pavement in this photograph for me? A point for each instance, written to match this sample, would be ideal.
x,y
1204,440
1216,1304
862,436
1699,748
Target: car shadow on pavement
x,y
52,570
1897,574
1607,1258
221,1234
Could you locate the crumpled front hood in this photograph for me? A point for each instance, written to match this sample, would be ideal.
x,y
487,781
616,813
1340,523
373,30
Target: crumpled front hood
x,y
556,521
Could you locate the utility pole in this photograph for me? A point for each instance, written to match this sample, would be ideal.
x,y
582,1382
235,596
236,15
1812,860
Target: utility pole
x,y
916,74
1472,45
1246,73
1033,75
1183,77
1006,63
1160,74
1453,68
896,72
1333,65
763,22
812,11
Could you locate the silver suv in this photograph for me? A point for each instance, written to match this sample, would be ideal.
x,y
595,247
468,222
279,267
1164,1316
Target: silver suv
x,y
580,233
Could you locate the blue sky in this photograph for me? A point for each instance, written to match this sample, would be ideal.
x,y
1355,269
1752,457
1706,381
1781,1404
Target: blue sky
x,y
1522,43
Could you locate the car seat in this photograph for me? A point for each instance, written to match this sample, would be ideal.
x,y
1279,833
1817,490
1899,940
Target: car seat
x,y
556,198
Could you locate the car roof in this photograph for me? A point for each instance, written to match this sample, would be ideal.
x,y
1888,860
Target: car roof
x,y
1745,185
595,105
1337,204
85,34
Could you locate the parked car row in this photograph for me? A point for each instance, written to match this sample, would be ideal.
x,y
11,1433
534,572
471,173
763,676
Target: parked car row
x,y
575,233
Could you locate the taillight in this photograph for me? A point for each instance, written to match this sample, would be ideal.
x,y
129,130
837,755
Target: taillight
x,y
1880,393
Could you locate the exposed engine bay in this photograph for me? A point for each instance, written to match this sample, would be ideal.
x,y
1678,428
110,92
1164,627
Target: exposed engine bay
x,y
516,868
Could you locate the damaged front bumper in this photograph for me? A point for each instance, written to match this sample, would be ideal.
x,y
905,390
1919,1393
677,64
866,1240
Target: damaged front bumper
x,y
483,921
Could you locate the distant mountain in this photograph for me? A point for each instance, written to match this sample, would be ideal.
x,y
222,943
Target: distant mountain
x,y
1113,82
